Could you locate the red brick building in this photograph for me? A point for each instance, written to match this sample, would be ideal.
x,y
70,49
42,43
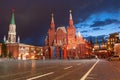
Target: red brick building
x,y
17,50
64,43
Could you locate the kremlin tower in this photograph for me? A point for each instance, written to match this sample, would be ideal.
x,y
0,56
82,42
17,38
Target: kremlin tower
x,y
17,50
12,31
11,44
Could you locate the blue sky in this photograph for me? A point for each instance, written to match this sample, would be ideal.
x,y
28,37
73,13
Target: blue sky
x,y
103,23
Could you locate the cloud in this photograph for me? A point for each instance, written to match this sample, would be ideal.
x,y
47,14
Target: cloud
x,y
105,22
97,28
85,31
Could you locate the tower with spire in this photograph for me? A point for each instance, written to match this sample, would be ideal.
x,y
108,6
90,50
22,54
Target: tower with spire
x,y
71,32
12,30
71,20
96,45
103,45
52,22
51,32
79,37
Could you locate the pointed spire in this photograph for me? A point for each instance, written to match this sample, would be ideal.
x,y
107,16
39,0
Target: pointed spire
x,y
79,35
103,41
12,18
52,22
4,38
71,20
70,14
52,17
96,40
18,39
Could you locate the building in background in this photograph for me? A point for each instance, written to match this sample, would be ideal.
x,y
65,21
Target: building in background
x,y
63,42
103,49
108,48
96,47
13,48
113,44
112,39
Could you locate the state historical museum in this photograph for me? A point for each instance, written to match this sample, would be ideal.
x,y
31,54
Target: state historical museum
x,y
64,43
